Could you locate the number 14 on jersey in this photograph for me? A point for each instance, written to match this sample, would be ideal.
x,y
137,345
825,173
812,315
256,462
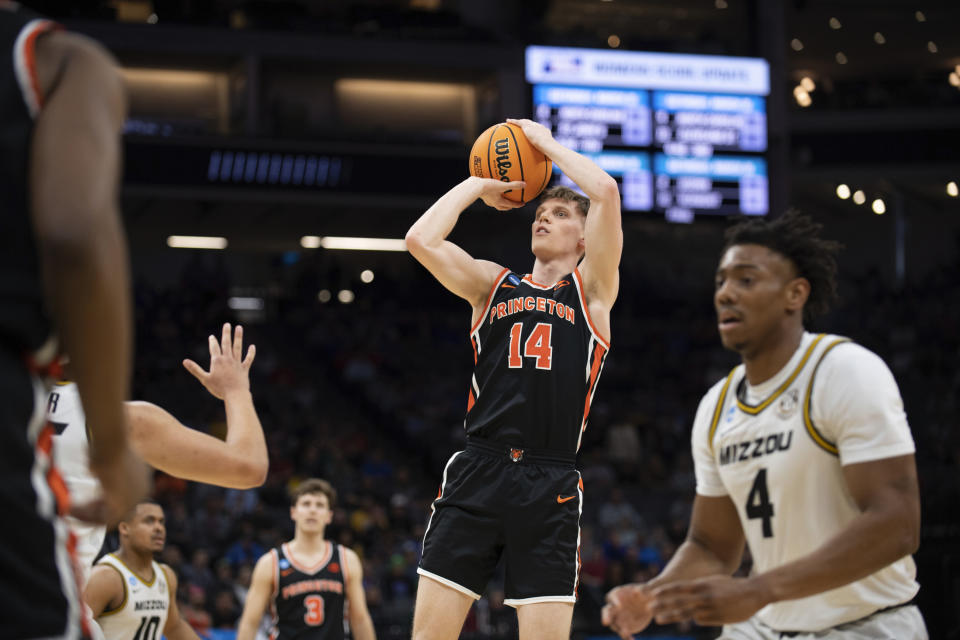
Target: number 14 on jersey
x,y
537,346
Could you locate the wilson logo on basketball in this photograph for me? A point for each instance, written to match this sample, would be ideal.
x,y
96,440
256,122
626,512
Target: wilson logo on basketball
x,y
333,567
502,148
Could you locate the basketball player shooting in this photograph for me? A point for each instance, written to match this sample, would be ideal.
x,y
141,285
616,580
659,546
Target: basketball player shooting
x,y
539,341
804,452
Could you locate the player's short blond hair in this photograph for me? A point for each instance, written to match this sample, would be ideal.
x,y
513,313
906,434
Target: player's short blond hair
x,y
314,486
581,203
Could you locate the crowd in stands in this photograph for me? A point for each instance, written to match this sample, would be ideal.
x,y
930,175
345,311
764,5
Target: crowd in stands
x,y
371,397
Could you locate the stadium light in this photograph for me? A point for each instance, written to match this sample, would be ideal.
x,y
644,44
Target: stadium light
x,y
244,303
859,197
363,244
808,84
952,189
366,276
196,242
879,207
843,191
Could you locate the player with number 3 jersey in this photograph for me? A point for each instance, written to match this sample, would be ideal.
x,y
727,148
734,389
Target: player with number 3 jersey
x,y
539,343
311,586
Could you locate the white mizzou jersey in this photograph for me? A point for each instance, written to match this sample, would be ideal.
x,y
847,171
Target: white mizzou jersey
x,y
778,450
143,613
71,454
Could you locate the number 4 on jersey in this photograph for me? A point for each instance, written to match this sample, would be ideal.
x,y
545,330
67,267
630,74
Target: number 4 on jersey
x,y
759,505
537,346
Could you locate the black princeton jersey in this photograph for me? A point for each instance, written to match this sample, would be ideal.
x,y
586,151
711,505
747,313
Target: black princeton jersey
x,y
538,359
308,602
24,325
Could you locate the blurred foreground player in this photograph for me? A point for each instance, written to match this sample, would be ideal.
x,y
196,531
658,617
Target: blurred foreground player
x,y
539,343
132,596
63,274
803,451
308,582
239,462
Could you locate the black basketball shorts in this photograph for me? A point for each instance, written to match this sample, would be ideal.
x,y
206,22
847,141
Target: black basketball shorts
x,y
523,505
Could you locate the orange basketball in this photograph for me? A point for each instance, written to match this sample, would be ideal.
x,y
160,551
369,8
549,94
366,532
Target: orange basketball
x,y
503,152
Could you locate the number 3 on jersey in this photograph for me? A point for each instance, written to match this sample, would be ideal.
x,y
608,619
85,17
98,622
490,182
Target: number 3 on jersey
x,y
314,615
759,505
537,346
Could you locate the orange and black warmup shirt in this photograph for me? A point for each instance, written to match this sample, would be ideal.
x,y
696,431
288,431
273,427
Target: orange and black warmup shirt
x,y
308,602
538,359
24,325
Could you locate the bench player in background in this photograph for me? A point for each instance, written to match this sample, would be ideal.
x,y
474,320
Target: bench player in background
x,y
64,283
239,462
132,595
307,583
804,452
539,343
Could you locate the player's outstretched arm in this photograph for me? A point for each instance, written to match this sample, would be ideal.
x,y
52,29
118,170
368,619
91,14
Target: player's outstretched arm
x,y
360,622
104,590
74,176
714,546
603,235
258,597
240,461
176,628
457,270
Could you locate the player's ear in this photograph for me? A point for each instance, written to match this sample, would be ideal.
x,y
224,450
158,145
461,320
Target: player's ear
x,y
798,291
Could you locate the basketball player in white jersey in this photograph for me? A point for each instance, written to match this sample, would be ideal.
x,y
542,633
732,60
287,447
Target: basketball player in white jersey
x,y
804,453
162,441
131,594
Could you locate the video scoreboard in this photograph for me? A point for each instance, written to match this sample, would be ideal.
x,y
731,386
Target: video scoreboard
x,y
684,135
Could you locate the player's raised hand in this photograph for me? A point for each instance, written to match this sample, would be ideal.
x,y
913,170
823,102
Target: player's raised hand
x,y
229,370
627,610
714,600
538,135
491,192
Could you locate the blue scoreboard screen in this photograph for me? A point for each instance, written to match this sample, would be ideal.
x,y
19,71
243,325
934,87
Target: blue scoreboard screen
x,y
684,135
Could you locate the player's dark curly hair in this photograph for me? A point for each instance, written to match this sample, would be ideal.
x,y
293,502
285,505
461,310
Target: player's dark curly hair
x,y
796,237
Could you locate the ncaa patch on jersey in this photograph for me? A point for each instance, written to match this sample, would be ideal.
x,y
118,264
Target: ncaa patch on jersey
x,y
132,581
513,279
284,564
787,406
